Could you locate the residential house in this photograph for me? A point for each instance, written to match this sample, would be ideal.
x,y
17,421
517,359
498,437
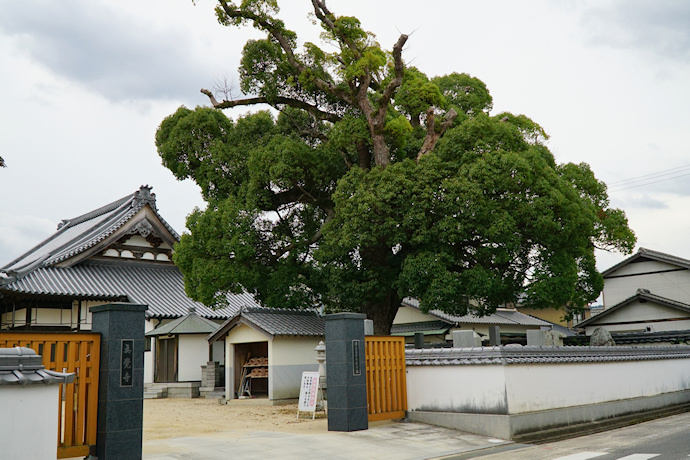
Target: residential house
x,y
648,293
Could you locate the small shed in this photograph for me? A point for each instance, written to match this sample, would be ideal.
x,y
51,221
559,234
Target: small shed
x,y
266,351
182,348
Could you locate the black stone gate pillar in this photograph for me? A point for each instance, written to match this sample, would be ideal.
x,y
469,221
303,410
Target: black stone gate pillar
x,y
121,380
346,376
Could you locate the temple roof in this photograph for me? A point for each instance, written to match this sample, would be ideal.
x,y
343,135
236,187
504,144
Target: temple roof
x,y
69,264
77,235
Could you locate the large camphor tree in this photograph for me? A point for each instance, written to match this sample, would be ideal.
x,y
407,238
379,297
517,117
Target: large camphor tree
x,y
371,182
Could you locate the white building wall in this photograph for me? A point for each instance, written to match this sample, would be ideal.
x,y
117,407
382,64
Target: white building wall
x,y
407,314
245,334
149,356
670,284
638,317
29,427
288,357
192,354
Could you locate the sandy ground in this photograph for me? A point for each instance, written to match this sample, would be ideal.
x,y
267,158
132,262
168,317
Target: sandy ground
x,y
169,418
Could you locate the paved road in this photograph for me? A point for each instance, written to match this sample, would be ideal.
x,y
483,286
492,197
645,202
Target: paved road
x,y
662,439
382,441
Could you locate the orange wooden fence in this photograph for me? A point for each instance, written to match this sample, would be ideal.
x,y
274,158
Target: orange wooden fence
x,y
386,382
64,352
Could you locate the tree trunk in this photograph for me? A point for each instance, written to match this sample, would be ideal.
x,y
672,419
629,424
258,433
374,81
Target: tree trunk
x,y
383,312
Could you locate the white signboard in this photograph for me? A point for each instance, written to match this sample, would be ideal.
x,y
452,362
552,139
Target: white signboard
x,y
308,392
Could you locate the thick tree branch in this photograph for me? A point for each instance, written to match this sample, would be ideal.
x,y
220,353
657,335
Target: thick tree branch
x,y
399,69
377,118
320,114
276,32
324,15
330,214
433,134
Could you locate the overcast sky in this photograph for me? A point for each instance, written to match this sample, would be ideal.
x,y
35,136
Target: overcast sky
x,y
84,85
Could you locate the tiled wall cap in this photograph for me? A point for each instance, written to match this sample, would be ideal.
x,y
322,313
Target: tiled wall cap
x,y
540,354
22,366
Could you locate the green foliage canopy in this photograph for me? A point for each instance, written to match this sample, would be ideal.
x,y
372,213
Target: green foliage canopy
x,y
375,182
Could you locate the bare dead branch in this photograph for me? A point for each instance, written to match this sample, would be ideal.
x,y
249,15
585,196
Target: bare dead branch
x,y
276,32
318,113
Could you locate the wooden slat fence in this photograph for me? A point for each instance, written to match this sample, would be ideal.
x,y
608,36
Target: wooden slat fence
x,y
65,352
386,382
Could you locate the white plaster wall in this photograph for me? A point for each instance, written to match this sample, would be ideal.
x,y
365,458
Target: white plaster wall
x,y
638,316
673,285
287,350
192,354
230,389
535,387
29,428
471,389
288,357
19,316
137,240
149,356
51,316
245,334
643,312
407,314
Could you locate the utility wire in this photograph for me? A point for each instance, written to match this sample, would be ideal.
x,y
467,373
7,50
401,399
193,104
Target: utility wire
x,y
620,188
649,179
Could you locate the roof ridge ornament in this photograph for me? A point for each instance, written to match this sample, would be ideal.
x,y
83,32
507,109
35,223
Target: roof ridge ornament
x,y
144,196
143,228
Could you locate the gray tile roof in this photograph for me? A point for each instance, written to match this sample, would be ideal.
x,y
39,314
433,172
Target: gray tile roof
x,y
76,235
427,326
188,324
22,366
517,354
275,321
651,337
641,294
648,254
161,287
502,316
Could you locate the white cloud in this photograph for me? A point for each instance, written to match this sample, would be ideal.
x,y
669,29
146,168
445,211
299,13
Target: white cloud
x,y
123,51
659,28
21,233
